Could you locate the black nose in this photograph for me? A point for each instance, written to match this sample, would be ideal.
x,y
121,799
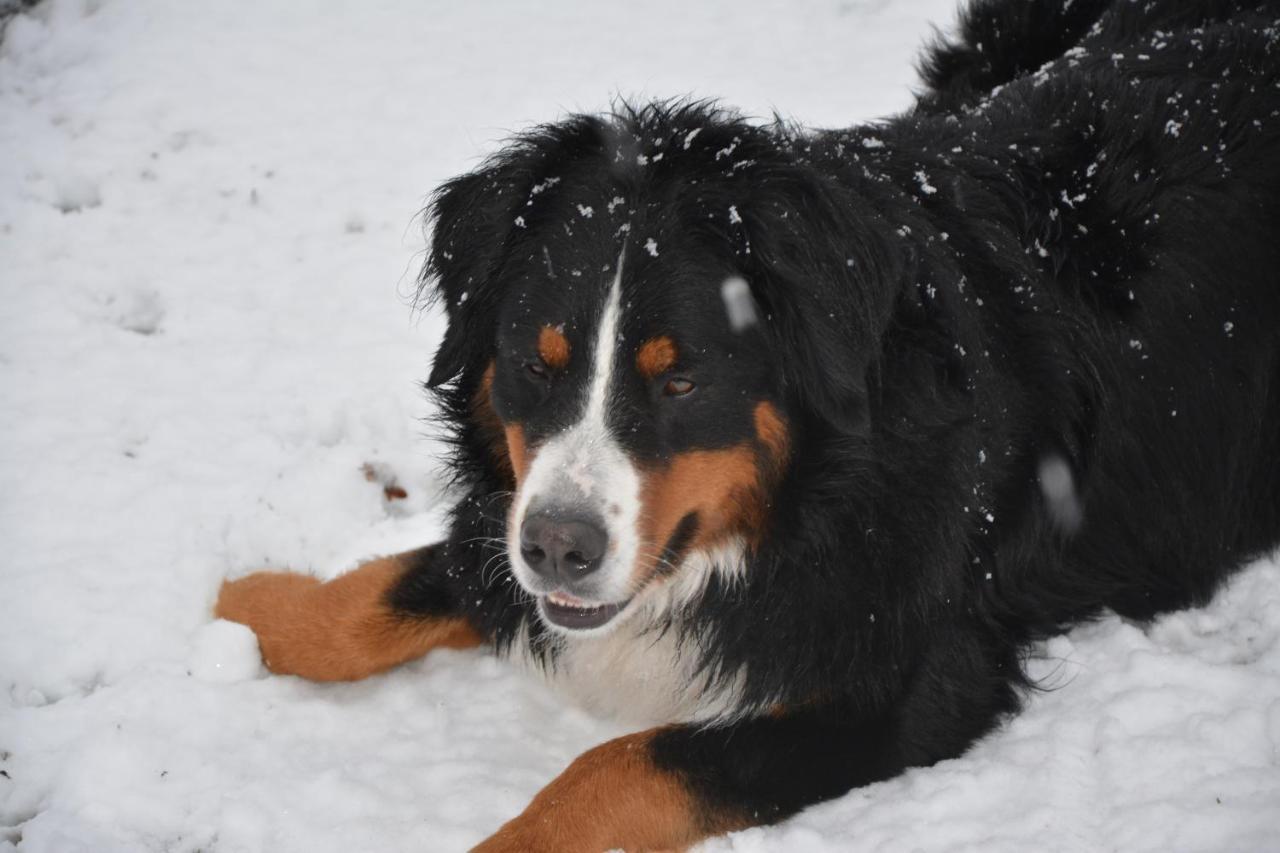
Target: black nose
x,y
566,548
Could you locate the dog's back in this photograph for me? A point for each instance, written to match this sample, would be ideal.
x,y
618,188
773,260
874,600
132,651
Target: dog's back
x,y
998,41
1166,347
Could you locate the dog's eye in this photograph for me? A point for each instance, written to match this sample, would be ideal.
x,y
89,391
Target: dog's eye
x,y
678,387
536,370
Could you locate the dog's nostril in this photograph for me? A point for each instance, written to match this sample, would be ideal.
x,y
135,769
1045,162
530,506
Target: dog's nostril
x,y
533,555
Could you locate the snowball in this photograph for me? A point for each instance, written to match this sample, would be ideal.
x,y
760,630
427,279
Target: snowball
x,y
225,652
76,192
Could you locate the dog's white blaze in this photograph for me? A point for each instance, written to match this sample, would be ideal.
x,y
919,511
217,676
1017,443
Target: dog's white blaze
x,y
603,359
586,460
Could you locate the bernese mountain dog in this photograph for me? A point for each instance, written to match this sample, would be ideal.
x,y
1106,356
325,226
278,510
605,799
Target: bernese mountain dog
x,y
788,443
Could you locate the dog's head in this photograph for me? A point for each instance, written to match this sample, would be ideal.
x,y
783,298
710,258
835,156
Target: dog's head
x,y
647,315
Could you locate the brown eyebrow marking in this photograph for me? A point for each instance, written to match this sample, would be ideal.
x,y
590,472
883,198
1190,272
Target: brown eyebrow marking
x,y
553,346
656,356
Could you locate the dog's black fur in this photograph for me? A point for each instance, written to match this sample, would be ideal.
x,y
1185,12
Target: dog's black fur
x,y
1085,266
1068,254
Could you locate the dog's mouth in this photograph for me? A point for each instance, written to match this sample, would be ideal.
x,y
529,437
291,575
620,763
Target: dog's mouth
x,y
567,611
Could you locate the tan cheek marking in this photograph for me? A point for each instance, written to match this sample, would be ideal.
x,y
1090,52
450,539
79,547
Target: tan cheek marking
x,y
656,356
728,489
505,442
518,451
612,797
721,486
553,346
336,631
772,431
490,425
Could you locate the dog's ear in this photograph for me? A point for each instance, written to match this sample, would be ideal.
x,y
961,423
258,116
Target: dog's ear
x,y
471,219
826,277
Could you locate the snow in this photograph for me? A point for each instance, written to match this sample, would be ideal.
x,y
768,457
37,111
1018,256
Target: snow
x,y
1057,485
738,304
207,251
923,180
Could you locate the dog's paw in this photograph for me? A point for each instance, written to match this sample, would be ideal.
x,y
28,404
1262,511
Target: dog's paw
x,y
272,604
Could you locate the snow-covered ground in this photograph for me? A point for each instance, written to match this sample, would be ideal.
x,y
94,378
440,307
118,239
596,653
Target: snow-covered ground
x,y
207,244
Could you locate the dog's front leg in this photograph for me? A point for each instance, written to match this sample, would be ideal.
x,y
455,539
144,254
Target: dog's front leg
x,y
616,796
352,626
668,788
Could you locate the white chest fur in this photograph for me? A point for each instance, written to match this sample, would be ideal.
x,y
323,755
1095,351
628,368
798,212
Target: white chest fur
x,y
641,674
637,677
